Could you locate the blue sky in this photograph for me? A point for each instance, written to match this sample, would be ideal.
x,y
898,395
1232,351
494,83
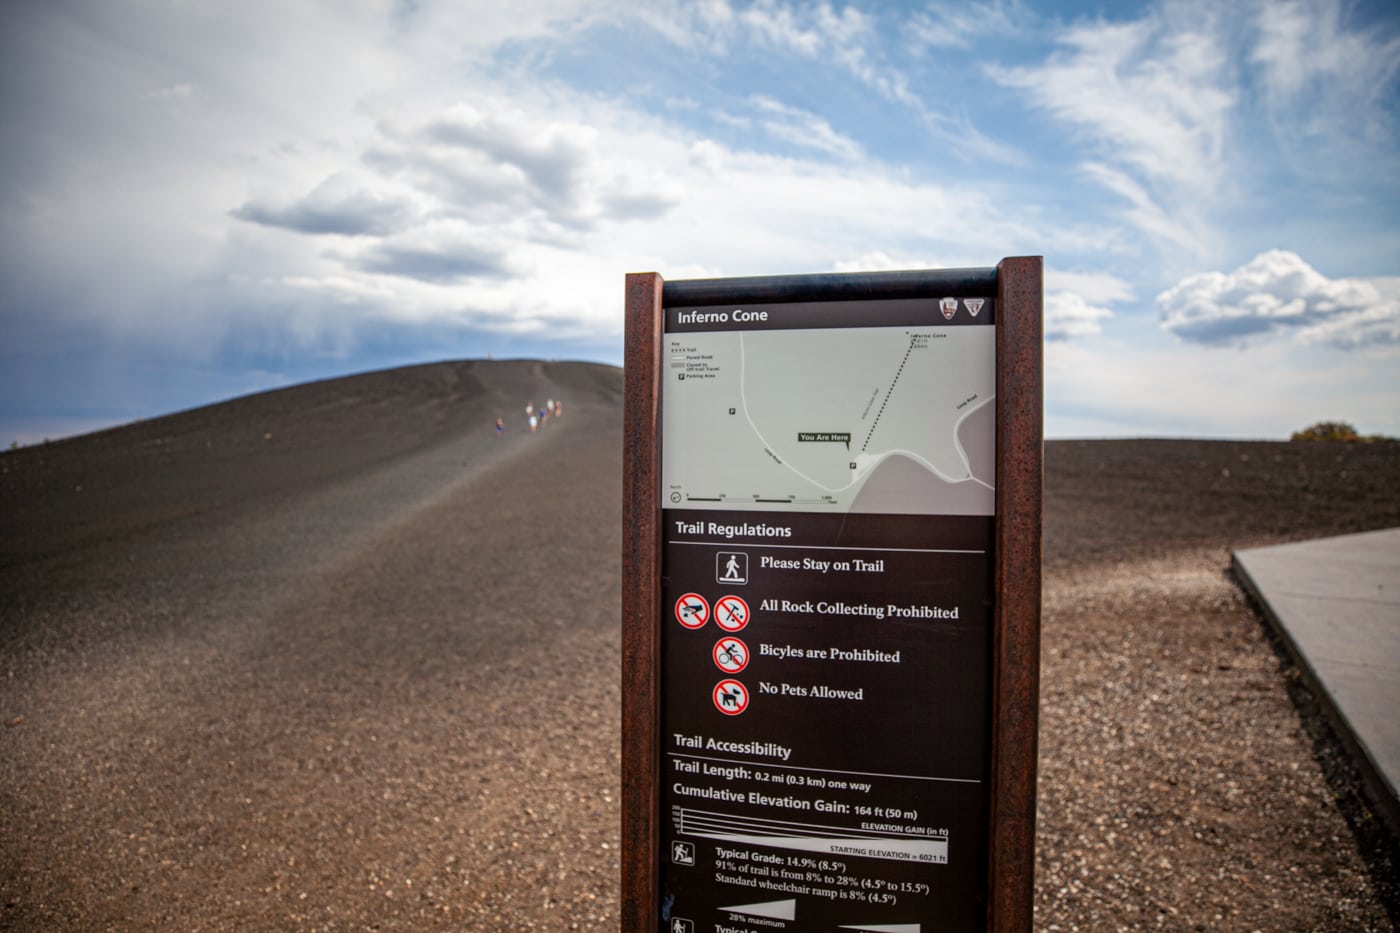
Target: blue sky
x,y
203,200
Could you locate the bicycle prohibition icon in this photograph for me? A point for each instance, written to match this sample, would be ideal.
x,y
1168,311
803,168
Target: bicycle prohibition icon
x,y
731,655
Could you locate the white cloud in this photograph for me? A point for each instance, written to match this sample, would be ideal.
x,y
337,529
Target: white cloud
x,y
545,158
807,30
173,94
1094,287
1068,314
846,38
1279,292
1101,387
1151,98
1162,219
520,192
804,129
1327,83
1077,303
204,181
878,261
956,25
1306,45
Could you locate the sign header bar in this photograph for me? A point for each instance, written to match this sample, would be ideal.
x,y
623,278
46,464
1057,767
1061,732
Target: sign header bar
x,y
843,286
899,312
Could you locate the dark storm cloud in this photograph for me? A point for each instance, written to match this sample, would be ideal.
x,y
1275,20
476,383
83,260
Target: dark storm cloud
x,y
551,159
486,164
460,187
433,264
638,205
334,207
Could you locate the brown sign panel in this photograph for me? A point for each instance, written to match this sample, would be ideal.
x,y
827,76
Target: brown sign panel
x,y
829,717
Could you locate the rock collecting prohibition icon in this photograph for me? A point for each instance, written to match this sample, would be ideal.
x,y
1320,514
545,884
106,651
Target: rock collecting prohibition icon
x,y
731,613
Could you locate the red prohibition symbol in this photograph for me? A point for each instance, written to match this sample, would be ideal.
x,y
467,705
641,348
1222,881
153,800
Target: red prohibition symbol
x,y
692,610
731,655
731,697
731,613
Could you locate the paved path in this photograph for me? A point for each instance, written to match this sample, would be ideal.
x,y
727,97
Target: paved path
x,y
1336,604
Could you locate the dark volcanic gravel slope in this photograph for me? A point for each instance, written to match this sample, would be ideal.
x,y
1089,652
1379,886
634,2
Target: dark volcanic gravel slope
x,y
338,658
383,700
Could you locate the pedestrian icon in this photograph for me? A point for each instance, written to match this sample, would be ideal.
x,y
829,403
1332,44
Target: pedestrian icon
x,y
683,853
692,610
731,613
731,697
681,925
731,655
732,567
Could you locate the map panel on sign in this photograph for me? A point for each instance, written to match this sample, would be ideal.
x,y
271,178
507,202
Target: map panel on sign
x,y
891,419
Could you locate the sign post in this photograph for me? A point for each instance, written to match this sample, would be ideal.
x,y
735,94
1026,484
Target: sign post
x,y
831,598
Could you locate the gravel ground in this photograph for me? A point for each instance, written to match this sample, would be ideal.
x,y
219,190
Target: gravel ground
x,y
385,699
338,658
1186,781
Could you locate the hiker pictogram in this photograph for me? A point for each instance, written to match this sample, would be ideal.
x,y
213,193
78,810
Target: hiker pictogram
x,y
692,610
732,567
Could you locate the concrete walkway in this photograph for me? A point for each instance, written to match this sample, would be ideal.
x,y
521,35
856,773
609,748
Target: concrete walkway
x,y
1335,603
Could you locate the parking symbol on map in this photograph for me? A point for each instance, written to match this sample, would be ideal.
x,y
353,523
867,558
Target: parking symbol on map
x,y
732,567
692,610
731,613
731,697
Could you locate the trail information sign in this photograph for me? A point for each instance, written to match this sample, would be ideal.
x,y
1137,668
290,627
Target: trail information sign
x,y
815,732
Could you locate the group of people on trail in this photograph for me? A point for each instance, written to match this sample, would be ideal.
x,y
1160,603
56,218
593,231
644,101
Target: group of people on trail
x,y
551,409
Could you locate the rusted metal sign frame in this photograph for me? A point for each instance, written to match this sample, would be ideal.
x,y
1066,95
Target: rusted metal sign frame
x,y
1015,682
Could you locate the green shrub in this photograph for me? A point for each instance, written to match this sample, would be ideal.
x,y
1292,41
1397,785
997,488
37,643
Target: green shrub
x,y
1326,431
1336,431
